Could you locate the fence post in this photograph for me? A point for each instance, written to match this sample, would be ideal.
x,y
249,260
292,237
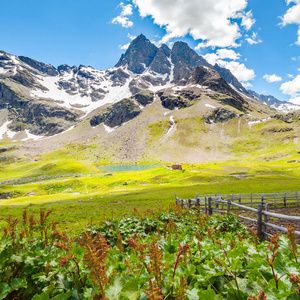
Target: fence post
x,y
266,218
284,199
197,202
251,199
260,234
189,203
240,198
176,198
209,206
228,205
182,203
205,205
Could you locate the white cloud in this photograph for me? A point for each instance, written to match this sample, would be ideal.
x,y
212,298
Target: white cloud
x,y
213,58
272,78
247,19
292,87
122,19
132,37
247,84
292,16
215,23
239,70
295,100
290,76
125,47
254,39
228,53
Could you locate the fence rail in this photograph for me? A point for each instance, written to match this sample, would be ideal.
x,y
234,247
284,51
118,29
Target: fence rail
x,y
206,203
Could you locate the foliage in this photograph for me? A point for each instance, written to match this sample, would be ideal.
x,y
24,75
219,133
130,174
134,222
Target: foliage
x,y
171,254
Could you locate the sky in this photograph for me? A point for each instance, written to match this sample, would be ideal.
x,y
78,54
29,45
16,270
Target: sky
x,y
258,40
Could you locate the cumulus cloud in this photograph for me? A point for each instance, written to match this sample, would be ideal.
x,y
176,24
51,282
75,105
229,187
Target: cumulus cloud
x,y
228,53
220,54
292,87
239,70
122,19
290,76
253,39
216,24
272,78
247,19
292,16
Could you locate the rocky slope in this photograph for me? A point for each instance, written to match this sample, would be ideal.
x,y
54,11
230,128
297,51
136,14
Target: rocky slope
x,y
129,110
271,101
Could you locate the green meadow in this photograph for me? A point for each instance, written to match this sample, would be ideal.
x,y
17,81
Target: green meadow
x,y
79,192
69,181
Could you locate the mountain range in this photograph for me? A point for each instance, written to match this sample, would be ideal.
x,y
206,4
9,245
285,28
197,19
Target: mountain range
x,y
149,89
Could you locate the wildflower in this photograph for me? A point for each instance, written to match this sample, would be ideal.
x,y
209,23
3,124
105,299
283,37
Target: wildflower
x,y
24,217
292,241
210,232
63,261
261,296
232,244
295,280
153,293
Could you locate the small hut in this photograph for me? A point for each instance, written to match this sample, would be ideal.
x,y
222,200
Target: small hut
x,y
176,167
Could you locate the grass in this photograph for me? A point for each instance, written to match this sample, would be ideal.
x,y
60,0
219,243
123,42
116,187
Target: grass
x,y
81,192
69,181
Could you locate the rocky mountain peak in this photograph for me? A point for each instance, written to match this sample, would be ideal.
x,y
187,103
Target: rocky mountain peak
x,y
44,68
210,78
139,55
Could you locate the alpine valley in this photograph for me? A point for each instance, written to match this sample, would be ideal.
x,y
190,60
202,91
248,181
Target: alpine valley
x,y
156,104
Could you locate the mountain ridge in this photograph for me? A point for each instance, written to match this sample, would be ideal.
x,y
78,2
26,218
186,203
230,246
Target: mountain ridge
x,y
123,110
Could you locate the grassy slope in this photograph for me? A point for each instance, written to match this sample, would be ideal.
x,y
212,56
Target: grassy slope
x,y
60,180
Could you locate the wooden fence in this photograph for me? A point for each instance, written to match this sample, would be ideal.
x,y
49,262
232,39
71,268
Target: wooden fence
x,y
218,203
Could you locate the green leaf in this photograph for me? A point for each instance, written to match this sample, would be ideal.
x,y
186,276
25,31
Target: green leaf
x,y
43,296
65,296
209,294
115,288
170,245
130,290
18,283
4,290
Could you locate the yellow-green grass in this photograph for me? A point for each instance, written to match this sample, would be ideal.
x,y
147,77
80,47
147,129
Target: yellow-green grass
x,y
82,196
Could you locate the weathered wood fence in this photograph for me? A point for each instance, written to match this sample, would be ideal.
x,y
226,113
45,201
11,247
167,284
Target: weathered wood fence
x,y
245,202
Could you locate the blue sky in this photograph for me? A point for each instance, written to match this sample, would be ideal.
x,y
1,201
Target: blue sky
x,y
257,40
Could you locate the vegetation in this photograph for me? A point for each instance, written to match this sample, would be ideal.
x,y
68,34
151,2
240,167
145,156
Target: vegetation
x,y
171,254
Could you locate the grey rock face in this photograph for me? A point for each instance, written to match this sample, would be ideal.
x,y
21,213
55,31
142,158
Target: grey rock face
x,y
144,98
291,117
161,63
139,55
171,102
185,61
230,79
117,114
38,117
210,78
44,68
220,115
